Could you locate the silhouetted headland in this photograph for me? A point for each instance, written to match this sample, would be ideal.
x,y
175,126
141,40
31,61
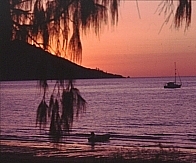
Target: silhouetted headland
x,y
22,61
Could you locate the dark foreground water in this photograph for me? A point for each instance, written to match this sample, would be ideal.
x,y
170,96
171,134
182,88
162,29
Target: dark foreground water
x,y
137,112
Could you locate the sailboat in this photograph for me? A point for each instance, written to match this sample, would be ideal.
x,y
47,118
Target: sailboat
x,y
173,84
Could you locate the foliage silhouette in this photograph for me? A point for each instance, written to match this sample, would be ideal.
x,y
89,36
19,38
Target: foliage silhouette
x,y
65,103
181,15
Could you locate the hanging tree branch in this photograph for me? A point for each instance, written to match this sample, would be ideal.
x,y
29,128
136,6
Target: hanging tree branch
x,y
182,14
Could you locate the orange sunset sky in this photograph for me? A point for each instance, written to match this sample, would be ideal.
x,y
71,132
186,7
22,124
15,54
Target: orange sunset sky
x,y
135,47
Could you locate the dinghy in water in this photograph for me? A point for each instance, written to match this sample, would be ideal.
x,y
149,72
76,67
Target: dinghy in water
x,y
98,138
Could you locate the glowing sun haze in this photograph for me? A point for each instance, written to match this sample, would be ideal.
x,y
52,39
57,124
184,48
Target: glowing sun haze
x,y
137,48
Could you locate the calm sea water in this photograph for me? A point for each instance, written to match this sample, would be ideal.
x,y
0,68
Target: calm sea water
x,y
135,111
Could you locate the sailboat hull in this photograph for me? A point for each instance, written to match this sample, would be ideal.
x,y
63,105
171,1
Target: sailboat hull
x,y
172,85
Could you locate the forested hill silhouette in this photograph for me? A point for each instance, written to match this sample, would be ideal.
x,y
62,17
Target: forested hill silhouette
x,y
22,61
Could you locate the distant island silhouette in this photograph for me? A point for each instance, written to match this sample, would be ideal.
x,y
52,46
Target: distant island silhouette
x,y
22,61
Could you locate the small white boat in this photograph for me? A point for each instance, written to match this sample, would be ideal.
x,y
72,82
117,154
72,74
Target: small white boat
x,y
173,84
98,138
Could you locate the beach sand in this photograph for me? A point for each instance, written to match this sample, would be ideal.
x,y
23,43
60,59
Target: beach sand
x,y
28,152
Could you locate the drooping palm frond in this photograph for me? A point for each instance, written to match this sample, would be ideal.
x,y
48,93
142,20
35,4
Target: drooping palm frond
x,y
65,104
114,10
183,13
43,108
67,110
55,124
41,118
75,47
51,104
43,85
92,15
80,102
72,105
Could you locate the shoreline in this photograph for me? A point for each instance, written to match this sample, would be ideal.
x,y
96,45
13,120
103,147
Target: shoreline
x,y
75,153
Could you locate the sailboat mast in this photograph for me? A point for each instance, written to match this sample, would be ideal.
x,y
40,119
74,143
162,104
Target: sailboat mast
x,y
175,71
